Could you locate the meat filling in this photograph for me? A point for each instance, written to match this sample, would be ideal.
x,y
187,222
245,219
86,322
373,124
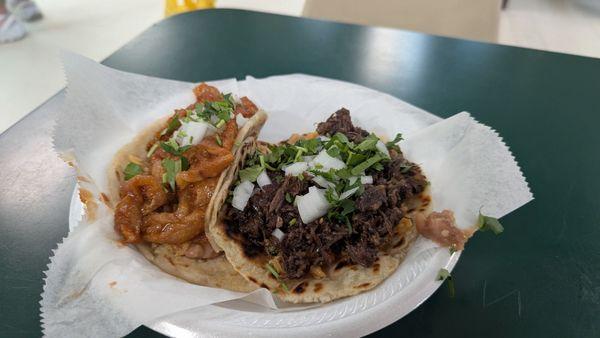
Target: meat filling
x,y
320,243
166,199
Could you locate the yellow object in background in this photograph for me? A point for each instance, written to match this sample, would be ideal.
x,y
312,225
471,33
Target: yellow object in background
x,y
180,6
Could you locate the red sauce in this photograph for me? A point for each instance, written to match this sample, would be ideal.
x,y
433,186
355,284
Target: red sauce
x,y
441,228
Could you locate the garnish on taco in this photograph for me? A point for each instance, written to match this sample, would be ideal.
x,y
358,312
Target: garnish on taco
x,y
322,215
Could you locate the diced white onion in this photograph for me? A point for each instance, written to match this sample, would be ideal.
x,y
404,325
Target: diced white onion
x,y
241,195
192,130
308,159
320,180
324,138
366,179
295,169
278,234
263,179
240,120
312,205
348,193
327,162
382,148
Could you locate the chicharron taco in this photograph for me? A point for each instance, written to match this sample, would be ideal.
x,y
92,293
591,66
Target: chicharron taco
x,y
164,180
320,216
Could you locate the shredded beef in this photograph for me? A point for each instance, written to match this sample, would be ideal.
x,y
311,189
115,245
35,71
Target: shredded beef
x,y
372,198
323,242
362,253
401,178
340,122
297,249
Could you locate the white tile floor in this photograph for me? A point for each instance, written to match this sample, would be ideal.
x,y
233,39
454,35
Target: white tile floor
x,y
30,70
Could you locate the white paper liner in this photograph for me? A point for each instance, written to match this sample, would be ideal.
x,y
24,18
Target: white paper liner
x,y
96,287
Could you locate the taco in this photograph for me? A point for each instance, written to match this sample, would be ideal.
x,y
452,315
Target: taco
x,y
320,216
164,180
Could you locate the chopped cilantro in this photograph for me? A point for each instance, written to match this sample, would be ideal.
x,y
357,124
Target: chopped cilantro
x,y
377,166
184,149
276,275
251,173
173,124
355,158
228,98
222,110
288,197
293,221
340,138
347,207
185,164
489,223
172,168
331,196
170,146
443,275
392,144
340,209
299,153
272,270
366,164
345,173
333,151
173,148
132,170
264,164
217,112
274,155
311,146
368,143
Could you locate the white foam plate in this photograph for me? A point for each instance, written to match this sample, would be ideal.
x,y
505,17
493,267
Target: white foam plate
x,y
413,282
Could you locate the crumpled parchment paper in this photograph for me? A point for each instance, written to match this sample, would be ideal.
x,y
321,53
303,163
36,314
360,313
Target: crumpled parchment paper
x,y
98,287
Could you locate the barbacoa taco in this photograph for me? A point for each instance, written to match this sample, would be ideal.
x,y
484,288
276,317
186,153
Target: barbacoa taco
x,y
164,180
320,216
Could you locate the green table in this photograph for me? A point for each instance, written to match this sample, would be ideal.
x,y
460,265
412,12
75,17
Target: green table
x,y
541,277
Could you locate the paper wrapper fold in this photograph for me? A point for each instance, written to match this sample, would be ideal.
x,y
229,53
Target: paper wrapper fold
x,y
95,286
